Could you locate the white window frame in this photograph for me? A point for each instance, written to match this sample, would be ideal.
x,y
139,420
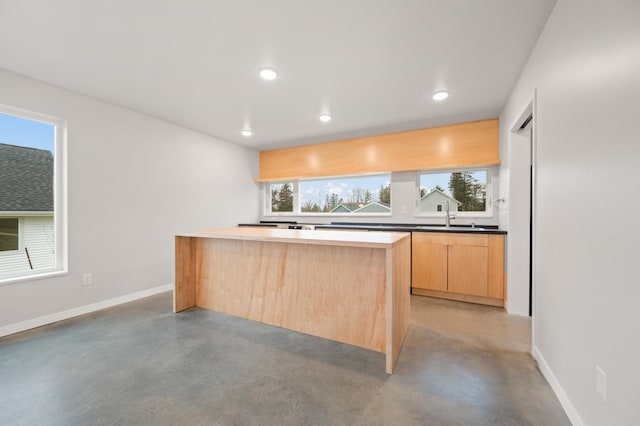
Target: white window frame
x,y
59,198
267,202
296,199
487,213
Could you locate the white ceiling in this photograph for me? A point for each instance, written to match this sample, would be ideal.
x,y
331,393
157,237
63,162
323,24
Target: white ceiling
x,y
373,64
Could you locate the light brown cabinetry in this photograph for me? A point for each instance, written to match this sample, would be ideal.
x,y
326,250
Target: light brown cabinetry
x,y
467,267
438,147
429,260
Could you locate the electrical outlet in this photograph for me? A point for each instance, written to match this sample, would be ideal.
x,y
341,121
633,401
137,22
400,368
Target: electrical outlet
x,y
87,279
601,383
403,210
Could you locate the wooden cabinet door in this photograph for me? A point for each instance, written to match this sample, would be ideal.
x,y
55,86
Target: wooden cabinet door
x,y
495,272
467,272
428,263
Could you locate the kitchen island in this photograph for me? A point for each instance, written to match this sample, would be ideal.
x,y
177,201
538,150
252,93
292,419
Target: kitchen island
x,y
351,287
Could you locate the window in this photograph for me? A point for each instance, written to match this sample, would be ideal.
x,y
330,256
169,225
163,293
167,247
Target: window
x,y
31,195
352,195
281,197
465,192
8,234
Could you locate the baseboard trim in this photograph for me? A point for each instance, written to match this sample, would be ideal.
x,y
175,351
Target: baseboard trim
x,y
569,408
81,310
482,300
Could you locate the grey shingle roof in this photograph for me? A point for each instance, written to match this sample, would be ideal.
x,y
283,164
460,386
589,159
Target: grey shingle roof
x,y
26,179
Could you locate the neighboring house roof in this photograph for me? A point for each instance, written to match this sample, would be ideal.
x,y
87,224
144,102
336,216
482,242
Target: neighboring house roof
x,y
346,207
433,192
374,207
26,179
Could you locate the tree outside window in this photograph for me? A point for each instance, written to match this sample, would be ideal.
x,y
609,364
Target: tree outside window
x,y
282,198
466,191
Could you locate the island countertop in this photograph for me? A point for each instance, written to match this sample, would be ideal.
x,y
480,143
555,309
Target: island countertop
x,y
319,237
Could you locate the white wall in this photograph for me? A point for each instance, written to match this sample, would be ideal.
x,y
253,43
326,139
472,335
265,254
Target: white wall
x,y
586,71
134,182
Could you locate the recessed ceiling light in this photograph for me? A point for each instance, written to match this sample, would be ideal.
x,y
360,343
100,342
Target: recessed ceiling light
x,y
268,74
440,95
325,117
246,133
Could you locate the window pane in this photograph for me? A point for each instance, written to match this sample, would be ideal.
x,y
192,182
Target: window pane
x,y
347,195
27,195
281,197
465,191
8,234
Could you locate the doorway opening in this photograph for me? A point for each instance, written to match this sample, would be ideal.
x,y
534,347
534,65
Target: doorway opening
x,y
522,197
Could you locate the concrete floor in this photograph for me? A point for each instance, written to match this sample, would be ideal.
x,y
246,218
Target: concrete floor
x,y
140,364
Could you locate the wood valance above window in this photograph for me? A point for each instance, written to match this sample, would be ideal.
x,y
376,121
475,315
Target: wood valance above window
x,y
460,145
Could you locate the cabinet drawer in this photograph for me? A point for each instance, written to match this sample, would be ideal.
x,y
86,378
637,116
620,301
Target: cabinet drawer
x,y
469,240
452,239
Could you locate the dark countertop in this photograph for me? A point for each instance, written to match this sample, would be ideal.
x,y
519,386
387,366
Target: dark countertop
x,y
388,227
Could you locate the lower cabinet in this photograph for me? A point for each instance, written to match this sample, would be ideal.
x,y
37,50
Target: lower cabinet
x,y
467,267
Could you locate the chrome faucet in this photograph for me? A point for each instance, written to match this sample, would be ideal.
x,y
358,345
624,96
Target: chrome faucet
x,y
447,216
